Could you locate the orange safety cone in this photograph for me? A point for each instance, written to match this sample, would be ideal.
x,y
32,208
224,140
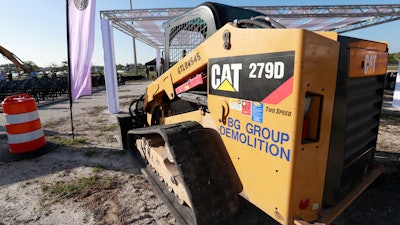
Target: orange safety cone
x,y
24,130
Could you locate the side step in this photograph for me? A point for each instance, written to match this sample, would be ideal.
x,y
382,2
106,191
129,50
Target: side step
x,y
205,167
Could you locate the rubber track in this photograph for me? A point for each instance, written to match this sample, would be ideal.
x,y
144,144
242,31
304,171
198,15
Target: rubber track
x,y
205,167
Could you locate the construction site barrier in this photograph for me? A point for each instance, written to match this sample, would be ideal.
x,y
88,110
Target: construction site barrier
x,y
24,130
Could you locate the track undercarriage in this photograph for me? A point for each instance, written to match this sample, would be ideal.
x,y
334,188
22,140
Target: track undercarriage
x,y
188,166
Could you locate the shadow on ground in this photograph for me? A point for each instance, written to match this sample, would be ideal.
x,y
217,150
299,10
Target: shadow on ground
x,y
64,158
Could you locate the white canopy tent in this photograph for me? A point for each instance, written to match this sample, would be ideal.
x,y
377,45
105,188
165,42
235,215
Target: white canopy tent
x,y
146,25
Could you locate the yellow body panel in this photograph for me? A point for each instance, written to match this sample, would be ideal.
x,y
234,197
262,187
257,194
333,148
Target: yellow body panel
x,y
204,119
291,171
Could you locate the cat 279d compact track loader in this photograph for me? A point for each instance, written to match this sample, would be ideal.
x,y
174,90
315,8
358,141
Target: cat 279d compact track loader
x,y
286,119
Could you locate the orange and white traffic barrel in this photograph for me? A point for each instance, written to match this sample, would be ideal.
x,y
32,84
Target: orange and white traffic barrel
x,y
24,130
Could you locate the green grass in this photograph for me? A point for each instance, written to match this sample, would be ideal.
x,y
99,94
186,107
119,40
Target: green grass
x,y
100,120
72,142
111,127
98,168
61,189
66,141
64,190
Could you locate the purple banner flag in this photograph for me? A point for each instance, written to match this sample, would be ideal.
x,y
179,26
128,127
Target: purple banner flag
x,y
396,94
81,20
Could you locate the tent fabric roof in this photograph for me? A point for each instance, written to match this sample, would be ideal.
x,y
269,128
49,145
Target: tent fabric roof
x,y
146,24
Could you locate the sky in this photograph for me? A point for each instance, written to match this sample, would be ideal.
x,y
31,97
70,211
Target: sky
x,y
36,30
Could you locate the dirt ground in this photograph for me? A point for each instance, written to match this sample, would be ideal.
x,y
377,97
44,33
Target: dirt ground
x,y
90,180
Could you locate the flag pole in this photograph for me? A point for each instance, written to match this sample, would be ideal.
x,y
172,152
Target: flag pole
x,y
69,74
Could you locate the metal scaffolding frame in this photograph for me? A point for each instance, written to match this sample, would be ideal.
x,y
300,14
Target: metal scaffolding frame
x,y
146,24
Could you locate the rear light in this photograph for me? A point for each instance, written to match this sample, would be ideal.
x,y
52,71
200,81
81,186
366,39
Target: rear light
x,y
304,203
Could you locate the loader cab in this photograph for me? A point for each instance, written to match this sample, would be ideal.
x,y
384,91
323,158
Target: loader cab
x,y
186,32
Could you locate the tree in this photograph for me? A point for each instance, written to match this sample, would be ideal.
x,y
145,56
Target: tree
x,y
119,67
394,58
64,65
33,65
53,65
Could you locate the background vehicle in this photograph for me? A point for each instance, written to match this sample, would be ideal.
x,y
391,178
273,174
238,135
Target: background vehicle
x,y
284,118
390,79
